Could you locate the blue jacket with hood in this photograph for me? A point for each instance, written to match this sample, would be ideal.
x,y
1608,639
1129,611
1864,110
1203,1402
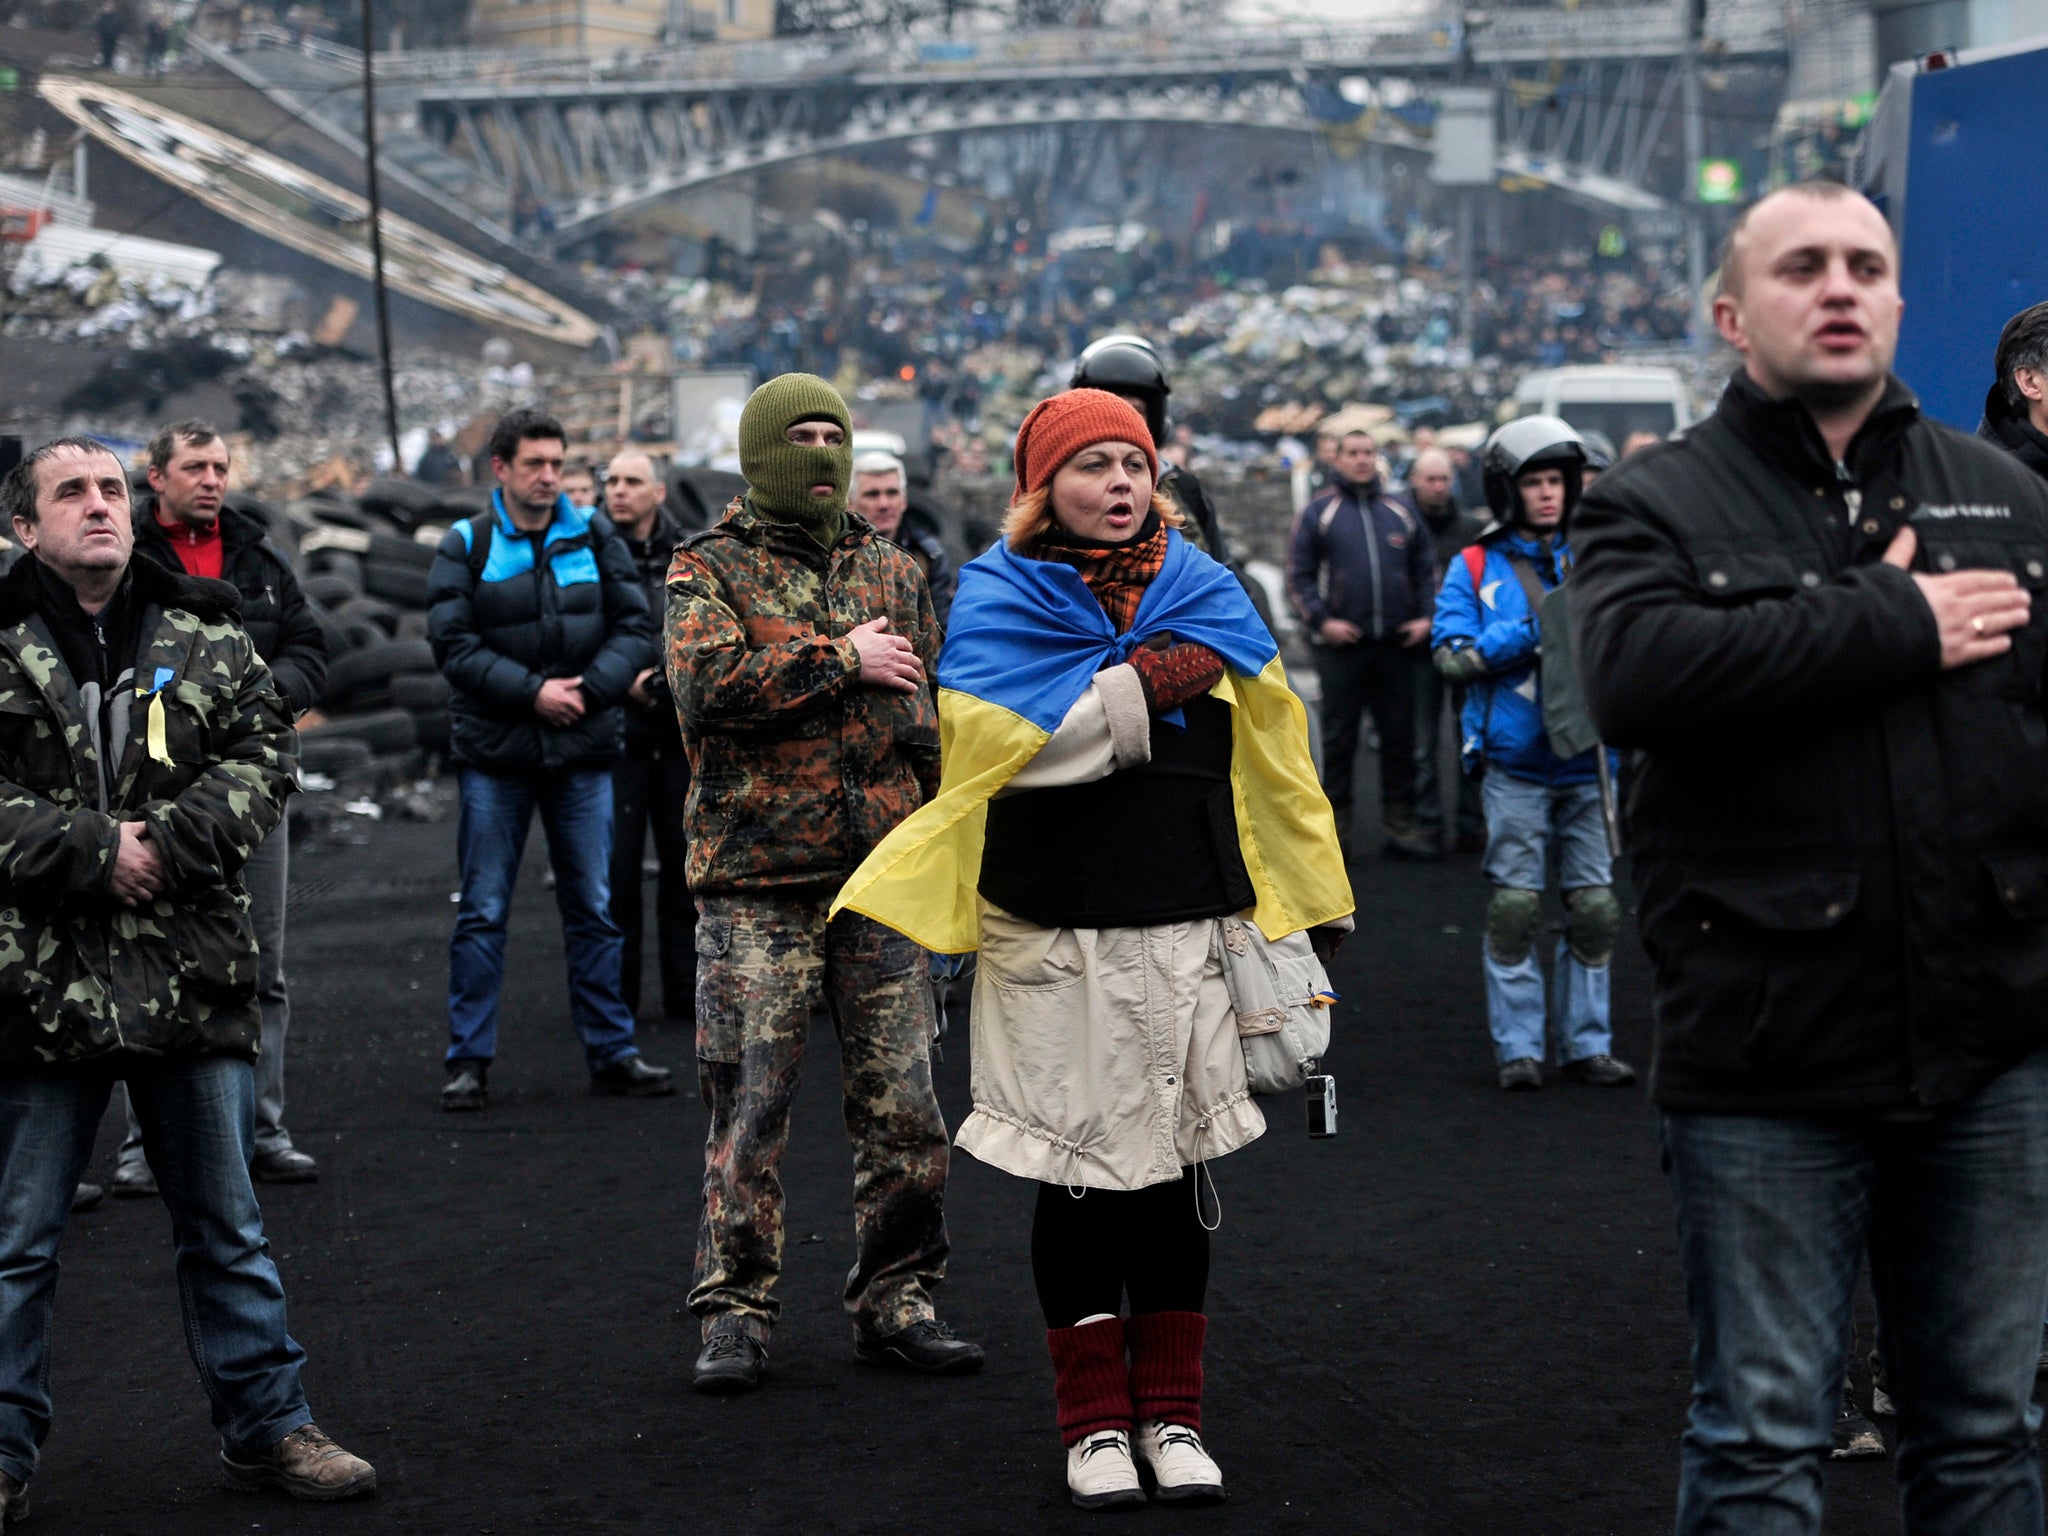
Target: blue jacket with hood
x,y
1502,724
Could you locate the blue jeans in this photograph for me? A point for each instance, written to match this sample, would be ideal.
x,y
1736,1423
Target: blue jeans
x,y
576,809
1525,823
1773,1216
198,1130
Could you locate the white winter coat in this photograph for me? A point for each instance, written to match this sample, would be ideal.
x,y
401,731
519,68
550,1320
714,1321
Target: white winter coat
x,y
1104,1058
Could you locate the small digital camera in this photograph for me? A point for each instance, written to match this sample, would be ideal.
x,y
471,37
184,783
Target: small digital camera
x,y
1322,1105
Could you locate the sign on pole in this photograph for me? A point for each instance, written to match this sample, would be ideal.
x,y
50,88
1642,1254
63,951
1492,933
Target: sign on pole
x,y
1464,138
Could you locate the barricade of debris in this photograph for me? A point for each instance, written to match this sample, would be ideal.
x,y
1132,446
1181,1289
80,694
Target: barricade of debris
x,y
378,739
379,734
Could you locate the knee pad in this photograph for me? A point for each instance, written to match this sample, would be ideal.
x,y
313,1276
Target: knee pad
x,y
1592,922
1511,924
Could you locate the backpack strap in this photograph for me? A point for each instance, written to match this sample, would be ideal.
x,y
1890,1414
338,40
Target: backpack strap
x,y
1532,584
480,531
1475,563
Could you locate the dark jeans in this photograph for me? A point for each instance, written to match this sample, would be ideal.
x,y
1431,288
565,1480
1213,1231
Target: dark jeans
x,y
1433,698
1773,1217
1089,1248
648,790
197,1127
497,809
1379,673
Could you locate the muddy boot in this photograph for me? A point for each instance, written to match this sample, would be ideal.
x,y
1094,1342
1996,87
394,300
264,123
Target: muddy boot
x,y
1855,1437
1405,840
306,1465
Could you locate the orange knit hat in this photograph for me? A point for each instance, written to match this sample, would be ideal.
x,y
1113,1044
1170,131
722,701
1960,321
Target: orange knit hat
x,y
1061,426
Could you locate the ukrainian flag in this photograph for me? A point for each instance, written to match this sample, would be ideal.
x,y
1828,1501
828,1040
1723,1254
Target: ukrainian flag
x,y
1024,640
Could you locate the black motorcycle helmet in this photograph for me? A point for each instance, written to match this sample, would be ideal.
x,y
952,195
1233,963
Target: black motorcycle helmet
x,y
1130,366
1532,442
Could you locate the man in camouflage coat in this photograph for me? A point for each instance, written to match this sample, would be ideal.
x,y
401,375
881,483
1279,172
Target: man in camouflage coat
x,y
144,754
798,647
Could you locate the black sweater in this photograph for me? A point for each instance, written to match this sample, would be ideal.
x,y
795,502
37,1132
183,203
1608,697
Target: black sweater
x,y
1152,844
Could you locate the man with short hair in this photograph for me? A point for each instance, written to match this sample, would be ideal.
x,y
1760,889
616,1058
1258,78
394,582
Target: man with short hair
x,y
1361,571
651,784
145,756
2016,409
540,625
186,525
1433,491
579,484
881,494
799,649
1810,617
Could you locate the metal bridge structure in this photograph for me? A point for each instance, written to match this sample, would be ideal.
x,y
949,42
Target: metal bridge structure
x,y
1599,103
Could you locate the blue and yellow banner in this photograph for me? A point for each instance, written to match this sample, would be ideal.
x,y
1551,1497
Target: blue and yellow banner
x,y
1024,640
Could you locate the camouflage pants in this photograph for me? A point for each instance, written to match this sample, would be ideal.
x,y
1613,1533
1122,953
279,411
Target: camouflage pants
x,y
761,964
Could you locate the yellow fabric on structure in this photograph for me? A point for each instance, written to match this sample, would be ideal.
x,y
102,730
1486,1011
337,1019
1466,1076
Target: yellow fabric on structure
x,y
921,879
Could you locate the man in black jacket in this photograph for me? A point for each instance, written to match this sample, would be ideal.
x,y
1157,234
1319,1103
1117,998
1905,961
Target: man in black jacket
x,y
187,526
1362,573
2016,409
651,783
1433,492
881,494
1811,616
540,625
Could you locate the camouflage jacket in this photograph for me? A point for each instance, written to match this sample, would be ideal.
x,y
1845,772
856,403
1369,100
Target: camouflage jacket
x,y
796,768
83,977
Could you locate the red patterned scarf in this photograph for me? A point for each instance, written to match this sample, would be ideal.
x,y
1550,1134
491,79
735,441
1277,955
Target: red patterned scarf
x,y
1117,574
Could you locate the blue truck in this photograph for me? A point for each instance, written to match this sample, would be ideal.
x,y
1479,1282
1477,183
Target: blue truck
x,y
1956,155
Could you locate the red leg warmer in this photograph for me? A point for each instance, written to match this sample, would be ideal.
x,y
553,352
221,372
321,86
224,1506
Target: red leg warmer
x,y
1090,1381
1166,1366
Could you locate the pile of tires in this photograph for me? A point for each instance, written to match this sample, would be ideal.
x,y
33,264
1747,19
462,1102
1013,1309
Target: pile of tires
x,y
363,565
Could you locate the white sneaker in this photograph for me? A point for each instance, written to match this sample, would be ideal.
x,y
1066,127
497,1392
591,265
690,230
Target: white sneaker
x,y
1100,1472
1183,1471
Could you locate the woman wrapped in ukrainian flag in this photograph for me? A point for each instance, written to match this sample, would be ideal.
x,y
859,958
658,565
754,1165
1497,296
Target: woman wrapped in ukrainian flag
x,y
1124,765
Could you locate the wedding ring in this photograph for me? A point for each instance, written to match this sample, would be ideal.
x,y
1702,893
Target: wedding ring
x,y
1977,624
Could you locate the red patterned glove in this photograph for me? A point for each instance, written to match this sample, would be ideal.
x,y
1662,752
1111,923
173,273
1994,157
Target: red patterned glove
x,y
1176,674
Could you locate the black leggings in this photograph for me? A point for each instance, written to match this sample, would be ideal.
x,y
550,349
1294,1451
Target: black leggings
x,y
1088,1252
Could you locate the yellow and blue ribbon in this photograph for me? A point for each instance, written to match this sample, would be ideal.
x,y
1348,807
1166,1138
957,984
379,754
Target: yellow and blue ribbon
x,y
158,734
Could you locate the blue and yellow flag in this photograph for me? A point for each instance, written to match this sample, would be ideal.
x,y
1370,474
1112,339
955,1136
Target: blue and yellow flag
x,y
1024,640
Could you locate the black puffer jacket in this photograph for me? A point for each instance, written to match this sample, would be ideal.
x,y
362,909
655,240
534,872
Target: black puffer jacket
x,y
275,614
1841,850
565,602
654,725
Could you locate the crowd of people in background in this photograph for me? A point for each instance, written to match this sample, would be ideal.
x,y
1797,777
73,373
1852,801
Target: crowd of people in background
x,y
969,334
1798,642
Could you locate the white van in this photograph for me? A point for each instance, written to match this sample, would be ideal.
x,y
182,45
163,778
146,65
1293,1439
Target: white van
x,y
1613,401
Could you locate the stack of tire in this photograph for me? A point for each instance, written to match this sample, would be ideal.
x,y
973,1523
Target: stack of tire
x,y
363,565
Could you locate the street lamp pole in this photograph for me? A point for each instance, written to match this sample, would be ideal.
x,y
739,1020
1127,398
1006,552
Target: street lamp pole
x,y
377,238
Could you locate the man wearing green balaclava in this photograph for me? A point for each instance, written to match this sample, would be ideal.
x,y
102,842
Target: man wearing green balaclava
x,y
800,645
796,450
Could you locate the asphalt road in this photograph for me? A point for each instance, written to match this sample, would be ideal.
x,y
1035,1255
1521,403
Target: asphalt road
x,y
1461,1315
